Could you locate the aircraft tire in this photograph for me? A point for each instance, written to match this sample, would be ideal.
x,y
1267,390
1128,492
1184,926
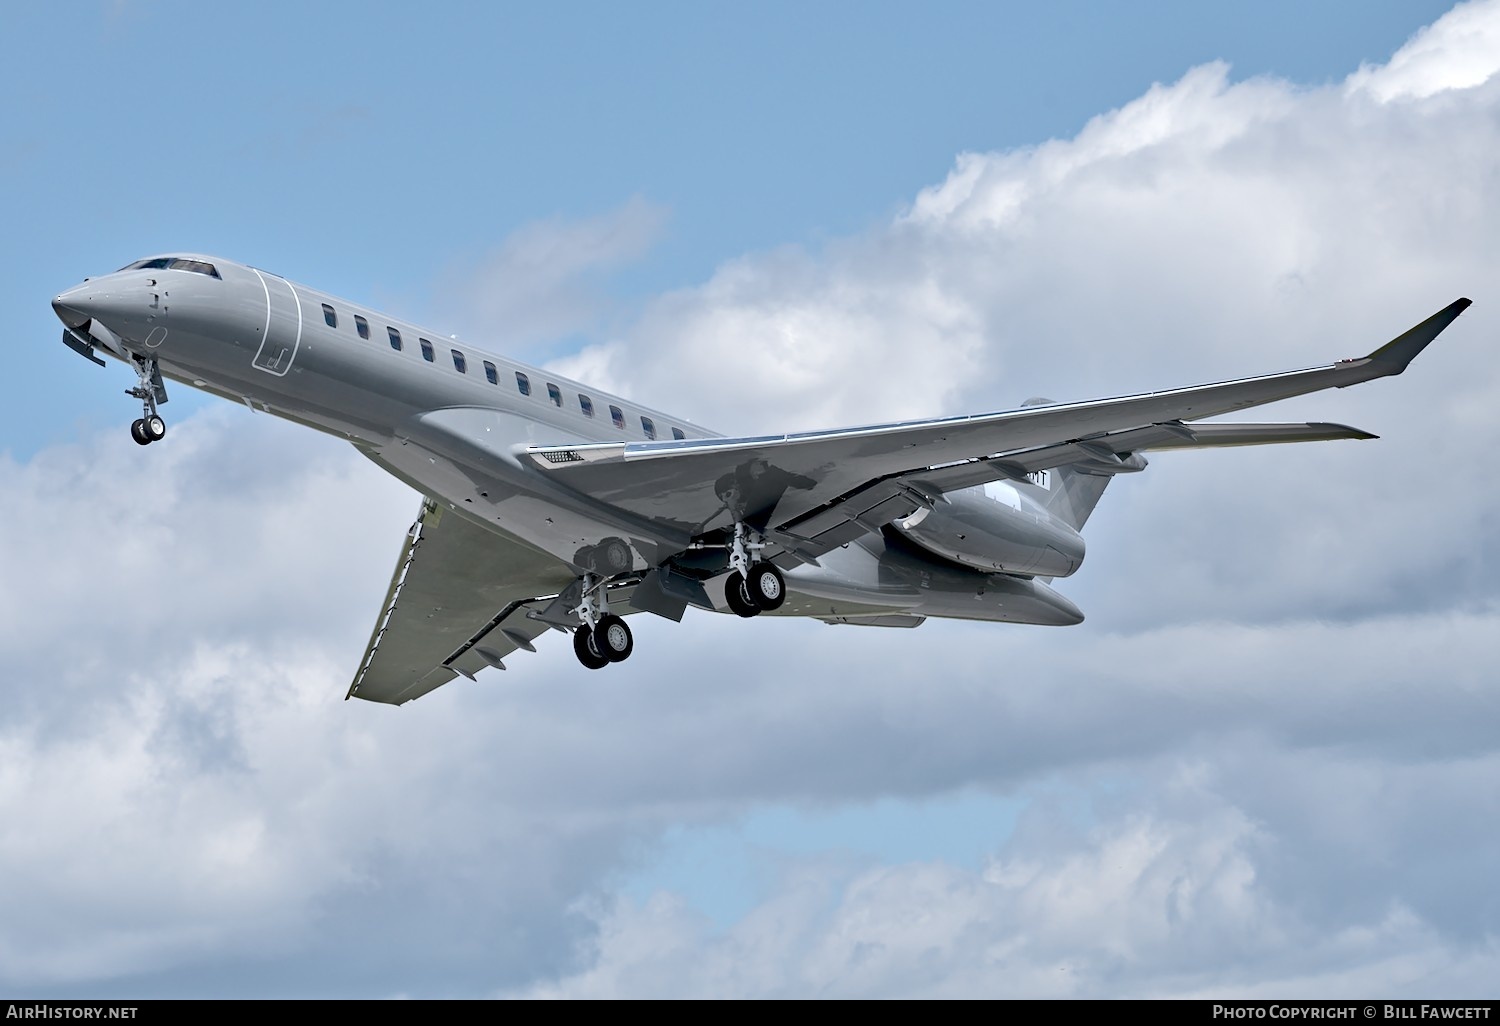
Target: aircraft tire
x,y
737,596
583,648
612,638
138,432
766,586
154,428
615,555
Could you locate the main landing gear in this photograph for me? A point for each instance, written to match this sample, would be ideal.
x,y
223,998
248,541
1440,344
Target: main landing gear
x,y
601,637
149,427
753,586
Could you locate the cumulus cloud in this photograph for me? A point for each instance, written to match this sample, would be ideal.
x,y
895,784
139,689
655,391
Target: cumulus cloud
x,y
1210,228
197,797
542,283
1459,51
1175,889
1280,717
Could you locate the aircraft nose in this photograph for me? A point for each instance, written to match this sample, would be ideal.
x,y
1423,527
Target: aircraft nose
x,y
73,308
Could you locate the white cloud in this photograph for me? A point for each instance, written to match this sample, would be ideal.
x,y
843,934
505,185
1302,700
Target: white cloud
x,y
1206,230
1210,228
541,283
1173,891
197,795
1459,51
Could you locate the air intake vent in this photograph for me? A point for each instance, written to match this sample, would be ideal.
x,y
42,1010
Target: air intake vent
x,y
561,456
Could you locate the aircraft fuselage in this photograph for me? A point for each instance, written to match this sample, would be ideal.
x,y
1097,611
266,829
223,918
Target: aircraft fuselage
x,y
452,421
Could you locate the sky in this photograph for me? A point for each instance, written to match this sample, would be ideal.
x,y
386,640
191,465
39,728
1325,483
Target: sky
x,y
1264,766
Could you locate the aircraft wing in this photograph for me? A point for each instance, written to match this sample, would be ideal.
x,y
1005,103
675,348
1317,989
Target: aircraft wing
x,y
458,601
814,490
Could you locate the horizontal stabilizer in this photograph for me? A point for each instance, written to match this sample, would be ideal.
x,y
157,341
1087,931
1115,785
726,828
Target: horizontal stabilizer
x,y
1212,436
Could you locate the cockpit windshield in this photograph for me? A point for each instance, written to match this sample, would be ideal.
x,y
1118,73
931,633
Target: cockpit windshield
x,y
174,264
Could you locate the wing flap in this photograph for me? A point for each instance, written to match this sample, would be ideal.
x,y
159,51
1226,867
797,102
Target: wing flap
x,y
510,631
1109,453
877,504
520,624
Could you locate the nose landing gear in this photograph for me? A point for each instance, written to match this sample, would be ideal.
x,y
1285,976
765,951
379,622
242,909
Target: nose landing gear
x,y
149,427
146,430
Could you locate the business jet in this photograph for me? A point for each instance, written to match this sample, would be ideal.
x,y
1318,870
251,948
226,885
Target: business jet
x,y
548,504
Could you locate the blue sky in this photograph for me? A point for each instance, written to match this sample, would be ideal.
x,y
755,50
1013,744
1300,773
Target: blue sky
x,y
1273,733
376,152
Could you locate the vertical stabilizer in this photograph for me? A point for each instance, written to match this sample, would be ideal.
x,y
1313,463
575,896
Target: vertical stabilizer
x,y
1074,489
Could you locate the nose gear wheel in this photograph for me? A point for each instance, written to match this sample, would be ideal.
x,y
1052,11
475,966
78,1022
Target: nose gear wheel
x,y
149,427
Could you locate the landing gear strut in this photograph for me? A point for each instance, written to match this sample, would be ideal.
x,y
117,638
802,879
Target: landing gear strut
x,y
601,637
753,585
149,427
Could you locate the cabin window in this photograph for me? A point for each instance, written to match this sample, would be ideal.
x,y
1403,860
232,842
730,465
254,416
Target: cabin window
x,y
586,405
362,326
329,317
554,393
617,416
677,434
649,428
426,349
523,383
490,373
395,338
459,363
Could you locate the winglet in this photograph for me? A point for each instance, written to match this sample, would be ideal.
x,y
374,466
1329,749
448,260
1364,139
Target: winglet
x,y
1402,349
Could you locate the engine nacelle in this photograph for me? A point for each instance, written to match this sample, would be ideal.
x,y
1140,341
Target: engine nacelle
x,y
994,528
